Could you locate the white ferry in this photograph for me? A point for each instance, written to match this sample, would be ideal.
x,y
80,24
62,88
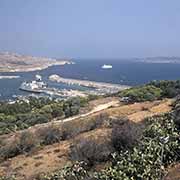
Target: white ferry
x,y
106,66
36,86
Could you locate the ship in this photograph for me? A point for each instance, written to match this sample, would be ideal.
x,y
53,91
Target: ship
x,y
36,86
106,66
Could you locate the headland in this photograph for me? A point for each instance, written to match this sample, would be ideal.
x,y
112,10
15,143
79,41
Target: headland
x,y
12,62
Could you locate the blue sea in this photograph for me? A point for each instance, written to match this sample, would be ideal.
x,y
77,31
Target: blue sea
x,y
123,72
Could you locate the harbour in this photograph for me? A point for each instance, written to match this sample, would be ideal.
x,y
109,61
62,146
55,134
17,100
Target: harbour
x,y
123,73
97,88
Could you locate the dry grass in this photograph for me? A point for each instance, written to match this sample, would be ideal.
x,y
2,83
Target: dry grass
x,y
173,173
48,159
158,108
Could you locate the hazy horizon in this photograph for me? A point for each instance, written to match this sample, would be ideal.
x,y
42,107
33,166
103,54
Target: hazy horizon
x,y
100,29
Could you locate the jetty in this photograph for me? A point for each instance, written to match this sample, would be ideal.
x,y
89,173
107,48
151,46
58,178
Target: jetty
x,y
99,86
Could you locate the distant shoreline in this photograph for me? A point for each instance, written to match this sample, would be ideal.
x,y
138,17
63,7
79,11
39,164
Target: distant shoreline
x,y
9,77
12,62
40,68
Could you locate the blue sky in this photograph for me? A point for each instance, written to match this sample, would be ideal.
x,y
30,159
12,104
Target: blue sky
x,y
90,28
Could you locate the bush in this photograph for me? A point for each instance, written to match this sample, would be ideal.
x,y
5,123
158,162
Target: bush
x,y
27,142
9,150
98,121
23,144
90,151
124,134
50,135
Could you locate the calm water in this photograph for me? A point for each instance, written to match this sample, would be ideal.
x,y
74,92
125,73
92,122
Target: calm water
x,y
123,72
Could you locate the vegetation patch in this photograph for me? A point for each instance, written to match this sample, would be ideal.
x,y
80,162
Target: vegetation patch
x,y
152,91
23,114
169,89
144,93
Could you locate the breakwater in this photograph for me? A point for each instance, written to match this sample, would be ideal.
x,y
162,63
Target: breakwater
x,y
99,86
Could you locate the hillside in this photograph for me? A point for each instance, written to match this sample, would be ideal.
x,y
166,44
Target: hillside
x,y
55,156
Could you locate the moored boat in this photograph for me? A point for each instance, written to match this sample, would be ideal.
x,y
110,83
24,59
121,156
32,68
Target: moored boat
x,y
36,86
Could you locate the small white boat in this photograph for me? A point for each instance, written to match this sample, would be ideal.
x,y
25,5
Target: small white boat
x,y
106,66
